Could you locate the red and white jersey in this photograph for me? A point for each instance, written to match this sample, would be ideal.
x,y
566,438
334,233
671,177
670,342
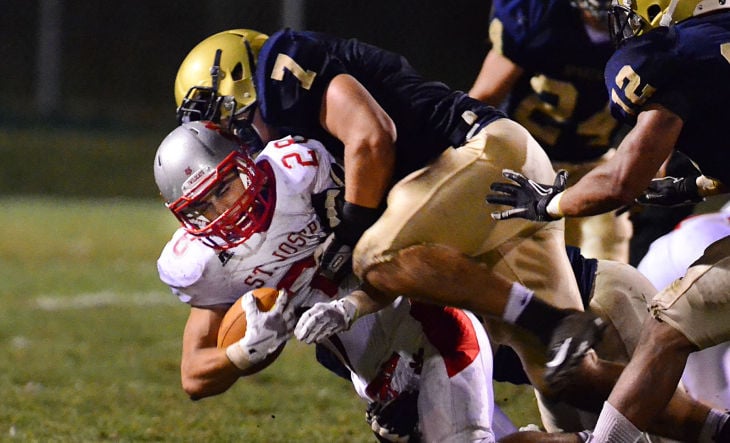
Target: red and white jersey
x,y
281,257
405,346
442,352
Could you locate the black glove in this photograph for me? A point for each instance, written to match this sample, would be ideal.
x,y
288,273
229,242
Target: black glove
x,y
395,420
671,192
347,220
333,258
346,223
528,199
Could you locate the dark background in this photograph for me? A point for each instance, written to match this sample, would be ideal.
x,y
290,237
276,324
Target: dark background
x,y
118,59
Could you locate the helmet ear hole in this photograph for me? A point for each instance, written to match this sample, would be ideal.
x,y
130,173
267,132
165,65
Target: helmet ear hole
x,y
652,11
237,72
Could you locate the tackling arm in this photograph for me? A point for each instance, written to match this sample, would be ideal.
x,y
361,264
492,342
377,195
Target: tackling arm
x,y
352,115
327,318
622,179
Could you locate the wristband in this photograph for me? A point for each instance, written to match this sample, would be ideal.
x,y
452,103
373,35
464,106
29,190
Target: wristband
x,y
356,220
707,186
352,308
553,207
238,356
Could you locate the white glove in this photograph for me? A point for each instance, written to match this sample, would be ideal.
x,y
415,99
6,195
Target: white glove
x,y
265,331
324,319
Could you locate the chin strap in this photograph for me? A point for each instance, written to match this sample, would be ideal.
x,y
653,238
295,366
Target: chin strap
x,y
666,19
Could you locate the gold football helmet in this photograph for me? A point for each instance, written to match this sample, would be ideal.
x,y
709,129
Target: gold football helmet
x,y
221,66
215,82
630,18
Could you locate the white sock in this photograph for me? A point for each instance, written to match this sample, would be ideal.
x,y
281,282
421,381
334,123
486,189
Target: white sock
x,y
613,427
713,423
519,297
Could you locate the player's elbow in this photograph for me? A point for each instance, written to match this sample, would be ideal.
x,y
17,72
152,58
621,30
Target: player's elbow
x,y
197,385
383,138
193,388
198,389
374,148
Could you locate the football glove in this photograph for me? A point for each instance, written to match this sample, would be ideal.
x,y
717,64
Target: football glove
x,y
347,220
395,420
346,223
328,206
265,331
333,258
324,319
528,199
671,192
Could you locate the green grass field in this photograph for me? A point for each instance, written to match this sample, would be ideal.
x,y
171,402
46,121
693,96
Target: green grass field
x,y
90,340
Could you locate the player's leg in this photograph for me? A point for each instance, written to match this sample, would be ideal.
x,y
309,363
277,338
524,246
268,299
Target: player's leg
x,y
606,236
436,242
688,315
456,398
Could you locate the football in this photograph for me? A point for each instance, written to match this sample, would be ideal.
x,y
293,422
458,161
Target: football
x,y
233,325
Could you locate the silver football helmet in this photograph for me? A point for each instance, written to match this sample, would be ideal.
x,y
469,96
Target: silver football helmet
x,y
597,8
195,162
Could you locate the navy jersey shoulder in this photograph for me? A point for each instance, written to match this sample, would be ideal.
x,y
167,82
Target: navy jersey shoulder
x,y
560,98
295,68
529,27
685,69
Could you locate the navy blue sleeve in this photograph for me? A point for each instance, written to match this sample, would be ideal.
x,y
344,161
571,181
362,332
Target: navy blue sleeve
x,y
293,73
646,70
520,29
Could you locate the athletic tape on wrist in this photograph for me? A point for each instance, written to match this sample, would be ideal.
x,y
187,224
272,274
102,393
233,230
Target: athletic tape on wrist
x,y
553,207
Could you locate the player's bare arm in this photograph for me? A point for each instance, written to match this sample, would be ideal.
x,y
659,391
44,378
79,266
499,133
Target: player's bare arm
x,y
496,79
638,158
352,115
205,369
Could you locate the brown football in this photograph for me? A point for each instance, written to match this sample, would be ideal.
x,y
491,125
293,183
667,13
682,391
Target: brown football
x,y
233,325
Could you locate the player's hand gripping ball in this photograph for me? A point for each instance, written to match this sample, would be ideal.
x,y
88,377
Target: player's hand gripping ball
x,y
233,325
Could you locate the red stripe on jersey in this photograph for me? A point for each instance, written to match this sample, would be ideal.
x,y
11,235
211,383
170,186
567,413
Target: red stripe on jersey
x,y
325,285
451,332
295,270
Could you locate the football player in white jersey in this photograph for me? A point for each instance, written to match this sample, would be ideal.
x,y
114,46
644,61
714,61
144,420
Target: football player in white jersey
x,y
249,224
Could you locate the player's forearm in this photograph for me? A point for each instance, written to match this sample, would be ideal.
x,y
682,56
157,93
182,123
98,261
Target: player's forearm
x,y
368,302
207,372
369,171
628,173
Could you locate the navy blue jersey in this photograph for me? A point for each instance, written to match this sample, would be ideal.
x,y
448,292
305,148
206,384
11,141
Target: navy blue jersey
x,y
295,68
685,68
561,98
